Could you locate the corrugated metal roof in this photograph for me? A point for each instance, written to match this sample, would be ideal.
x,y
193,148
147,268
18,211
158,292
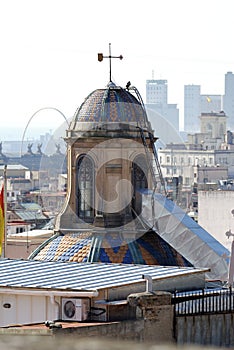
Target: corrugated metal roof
x,y
14,167
30,215
31,206
83,276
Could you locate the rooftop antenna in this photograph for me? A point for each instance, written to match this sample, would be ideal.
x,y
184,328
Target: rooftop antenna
x,y
100,58
152,74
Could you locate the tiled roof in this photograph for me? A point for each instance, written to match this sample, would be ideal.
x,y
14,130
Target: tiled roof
x,y
111,247
110,105
71,247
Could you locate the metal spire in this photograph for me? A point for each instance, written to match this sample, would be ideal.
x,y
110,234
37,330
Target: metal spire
x,y
100,58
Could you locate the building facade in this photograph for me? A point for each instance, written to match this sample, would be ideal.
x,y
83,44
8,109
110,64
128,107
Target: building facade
x,y
215,214
206,157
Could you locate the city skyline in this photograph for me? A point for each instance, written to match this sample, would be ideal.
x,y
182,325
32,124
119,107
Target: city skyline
x,y
50,52
36,133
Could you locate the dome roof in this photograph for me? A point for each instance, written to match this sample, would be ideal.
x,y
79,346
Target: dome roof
x,y
111,105
148,249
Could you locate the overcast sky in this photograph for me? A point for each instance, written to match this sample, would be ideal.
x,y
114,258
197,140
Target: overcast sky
x,y
49,51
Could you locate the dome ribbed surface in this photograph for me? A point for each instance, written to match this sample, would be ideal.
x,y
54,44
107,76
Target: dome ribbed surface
x,y
111,105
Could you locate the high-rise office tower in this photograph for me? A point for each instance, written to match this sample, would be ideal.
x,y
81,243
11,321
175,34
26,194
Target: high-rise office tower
x,y
156,101
228,100
192,108
156,91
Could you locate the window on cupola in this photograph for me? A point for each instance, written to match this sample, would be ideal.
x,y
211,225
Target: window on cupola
x,y
139,180
85,188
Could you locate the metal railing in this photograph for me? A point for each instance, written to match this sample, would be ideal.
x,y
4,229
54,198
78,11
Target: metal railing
x,y
203,302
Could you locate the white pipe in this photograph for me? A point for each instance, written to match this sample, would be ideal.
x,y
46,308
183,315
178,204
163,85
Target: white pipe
x,y
49,293
55,302
149,283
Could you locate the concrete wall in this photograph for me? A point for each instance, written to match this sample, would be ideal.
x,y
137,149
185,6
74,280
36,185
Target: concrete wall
x,y
215,330
21,249
77,343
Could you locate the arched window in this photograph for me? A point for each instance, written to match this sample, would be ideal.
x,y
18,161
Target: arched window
x,y
139,179
85,188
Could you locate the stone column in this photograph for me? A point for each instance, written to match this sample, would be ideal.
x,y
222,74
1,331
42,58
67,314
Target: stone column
x,y
156,311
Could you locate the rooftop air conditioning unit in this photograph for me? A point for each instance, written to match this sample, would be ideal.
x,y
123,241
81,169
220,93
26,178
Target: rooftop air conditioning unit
x,y
75,309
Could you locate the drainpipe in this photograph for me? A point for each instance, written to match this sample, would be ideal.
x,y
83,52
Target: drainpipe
x,y
55,302
149,283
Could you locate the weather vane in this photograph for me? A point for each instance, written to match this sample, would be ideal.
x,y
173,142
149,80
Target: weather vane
x,y
100,58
